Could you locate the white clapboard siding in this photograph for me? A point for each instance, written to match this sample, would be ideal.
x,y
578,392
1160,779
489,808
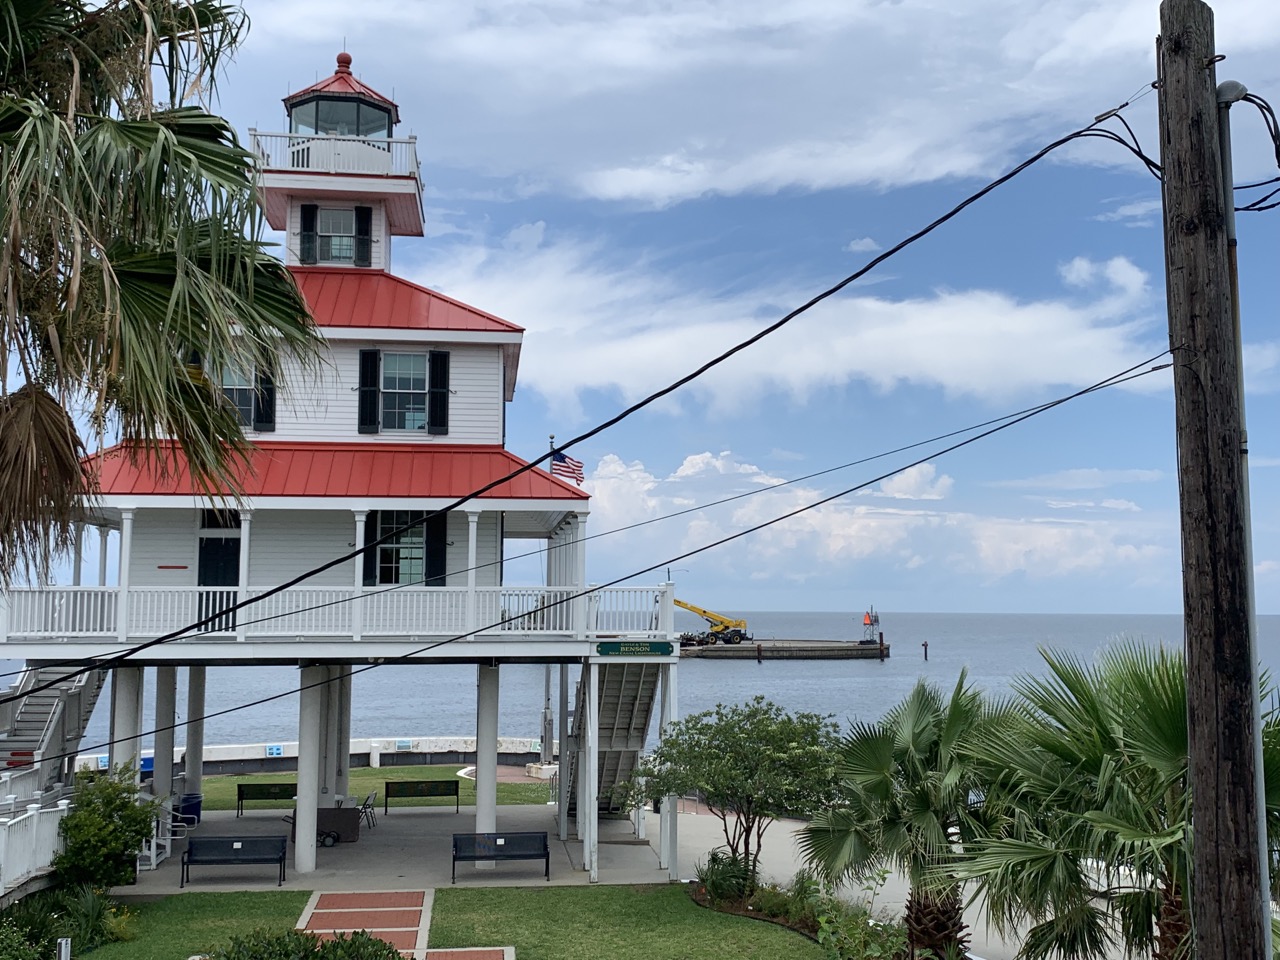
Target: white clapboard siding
x,y
163,538
487,550
380,249
322,404
285,543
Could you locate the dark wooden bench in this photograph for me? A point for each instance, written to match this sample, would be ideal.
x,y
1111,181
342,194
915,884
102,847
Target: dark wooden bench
x,y
479,847
263,791
233,850
420,788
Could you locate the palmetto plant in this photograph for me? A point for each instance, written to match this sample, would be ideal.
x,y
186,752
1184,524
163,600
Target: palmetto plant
x,y
909,797
129,255
1090,809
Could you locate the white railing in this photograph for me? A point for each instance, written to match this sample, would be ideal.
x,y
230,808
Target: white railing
x,y
392,157
336,612
28,843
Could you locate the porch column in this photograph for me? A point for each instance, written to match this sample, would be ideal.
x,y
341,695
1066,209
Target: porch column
x,y
310,733
357,583
242,591
77,557
126,722
330,706
668,840
126,551
344,730
486,751
103,533
193,764
591,778
166,702
473,521
562,777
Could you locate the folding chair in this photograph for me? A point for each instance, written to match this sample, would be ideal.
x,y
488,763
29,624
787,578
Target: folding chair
x,y
367,808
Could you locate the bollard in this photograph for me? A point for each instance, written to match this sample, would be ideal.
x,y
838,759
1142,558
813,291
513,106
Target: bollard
x,y
926,649
882,646
759,653
64,948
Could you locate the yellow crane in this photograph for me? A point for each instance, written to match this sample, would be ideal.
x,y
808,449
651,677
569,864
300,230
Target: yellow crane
x,y
720,629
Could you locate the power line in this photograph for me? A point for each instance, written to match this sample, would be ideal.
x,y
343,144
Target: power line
x,y
1092,130
1131,373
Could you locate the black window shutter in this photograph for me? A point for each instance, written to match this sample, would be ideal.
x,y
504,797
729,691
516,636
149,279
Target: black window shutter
x,y
364,237
370,369
264,403
307,241
436,544
438,392
370,558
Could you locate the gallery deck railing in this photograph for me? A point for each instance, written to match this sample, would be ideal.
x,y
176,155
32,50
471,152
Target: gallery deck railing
x,y
391,157
94,613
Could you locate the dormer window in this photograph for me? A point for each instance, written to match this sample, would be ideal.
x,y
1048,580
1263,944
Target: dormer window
x,y
341,235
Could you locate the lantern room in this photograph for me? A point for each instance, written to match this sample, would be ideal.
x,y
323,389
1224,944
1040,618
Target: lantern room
x,y
341,106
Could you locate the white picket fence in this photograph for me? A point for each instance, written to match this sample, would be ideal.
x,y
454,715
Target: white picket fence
x,y
28,842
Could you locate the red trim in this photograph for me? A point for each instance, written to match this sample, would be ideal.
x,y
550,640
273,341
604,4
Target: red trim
x,y
172,566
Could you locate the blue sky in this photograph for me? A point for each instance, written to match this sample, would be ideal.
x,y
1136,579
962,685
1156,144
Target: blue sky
x,y
641,185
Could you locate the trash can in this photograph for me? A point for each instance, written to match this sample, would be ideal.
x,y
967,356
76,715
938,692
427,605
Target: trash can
x,y
189,805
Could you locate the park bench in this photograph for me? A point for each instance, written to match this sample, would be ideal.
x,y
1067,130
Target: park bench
x,y
233,850
480,847
263,791
421,788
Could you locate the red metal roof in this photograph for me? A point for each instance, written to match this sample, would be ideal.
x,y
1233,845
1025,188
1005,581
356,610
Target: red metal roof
x,y
357,297
344,83
284,469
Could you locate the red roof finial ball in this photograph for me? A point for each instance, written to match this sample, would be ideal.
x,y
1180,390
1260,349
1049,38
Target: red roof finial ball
x,y
344,63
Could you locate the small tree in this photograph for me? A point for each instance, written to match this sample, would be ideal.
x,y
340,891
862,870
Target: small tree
x,y
104,830
750,764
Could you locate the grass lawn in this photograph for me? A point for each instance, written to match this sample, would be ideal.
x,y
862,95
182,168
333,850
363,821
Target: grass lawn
x,y
178,927
220,791
622,923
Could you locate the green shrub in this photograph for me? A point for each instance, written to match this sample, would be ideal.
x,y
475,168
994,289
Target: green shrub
x,y
104,830
299,945
725,877
806,897
14,944
770,900
850,932
88,916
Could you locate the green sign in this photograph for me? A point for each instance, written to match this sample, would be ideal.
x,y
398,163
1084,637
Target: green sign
x,y
633,648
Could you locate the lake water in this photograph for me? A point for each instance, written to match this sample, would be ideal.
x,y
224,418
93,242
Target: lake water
x,y
419,701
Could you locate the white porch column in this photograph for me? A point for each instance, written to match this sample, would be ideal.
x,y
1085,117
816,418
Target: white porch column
x,y
357,605
473,521
103,533
193,765
166,702
344,730
330,718
591,776
77,557
668,840
126,722
486,751
242,591
562,778
126,551
310,733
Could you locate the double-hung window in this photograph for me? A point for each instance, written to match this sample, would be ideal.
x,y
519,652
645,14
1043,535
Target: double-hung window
x,y
403,558
252,394
336,234
404,391
237,387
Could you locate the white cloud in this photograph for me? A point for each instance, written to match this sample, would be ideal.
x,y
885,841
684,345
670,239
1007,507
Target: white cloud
x,y
1043,549
1109,504
630,328
862,245
1135,213
1086,478
915,483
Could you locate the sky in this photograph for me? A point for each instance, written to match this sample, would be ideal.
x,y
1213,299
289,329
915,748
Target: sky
x,y
643,184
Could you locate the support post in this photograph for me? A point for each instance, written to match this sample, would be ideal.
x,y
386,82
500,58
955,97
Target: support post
x,y
77,558
473,521
166,702
1230,901
103,534
590,816
126,721
242,581
309,737
486,752
668,837
344,730
357,607
562,777
126,550
193,766
329,720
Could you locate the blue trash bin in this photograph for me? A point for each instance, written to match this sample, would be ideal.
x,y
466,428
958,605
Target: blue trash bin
x,y
189,805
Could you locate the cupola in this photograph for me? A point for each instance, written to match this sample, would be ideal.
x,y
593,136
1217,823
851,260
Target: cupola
x,y
341,105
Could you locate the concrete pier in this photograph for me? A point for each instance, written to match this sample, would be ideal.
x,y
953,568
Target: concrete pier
x,y
790,650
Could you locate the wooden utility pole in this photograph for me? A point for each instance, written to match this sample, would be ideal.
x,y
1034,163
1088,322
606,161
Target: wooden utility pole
x,y
1229,900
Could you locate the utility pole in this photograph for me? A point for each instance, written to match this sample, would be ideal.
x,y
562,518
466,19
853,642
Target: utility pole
x,y
1230,900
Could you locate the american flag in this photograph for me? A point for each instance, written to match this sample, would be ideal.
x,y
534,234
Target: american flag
x,y
566,466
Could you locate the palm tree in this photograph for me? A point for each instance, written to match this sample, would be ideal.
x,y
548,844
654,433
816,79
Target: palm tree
x,y
909,790
128,247
1089,806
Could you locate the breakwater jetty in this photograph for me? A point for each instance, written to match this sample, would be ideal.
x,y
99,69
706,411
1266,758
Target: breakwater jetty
x,y
790,650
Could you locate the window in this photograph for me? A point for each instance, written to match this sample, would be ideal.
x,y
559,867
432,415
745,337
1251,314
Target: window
x,y
404,391
403,559
237,386
336,232
219,519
